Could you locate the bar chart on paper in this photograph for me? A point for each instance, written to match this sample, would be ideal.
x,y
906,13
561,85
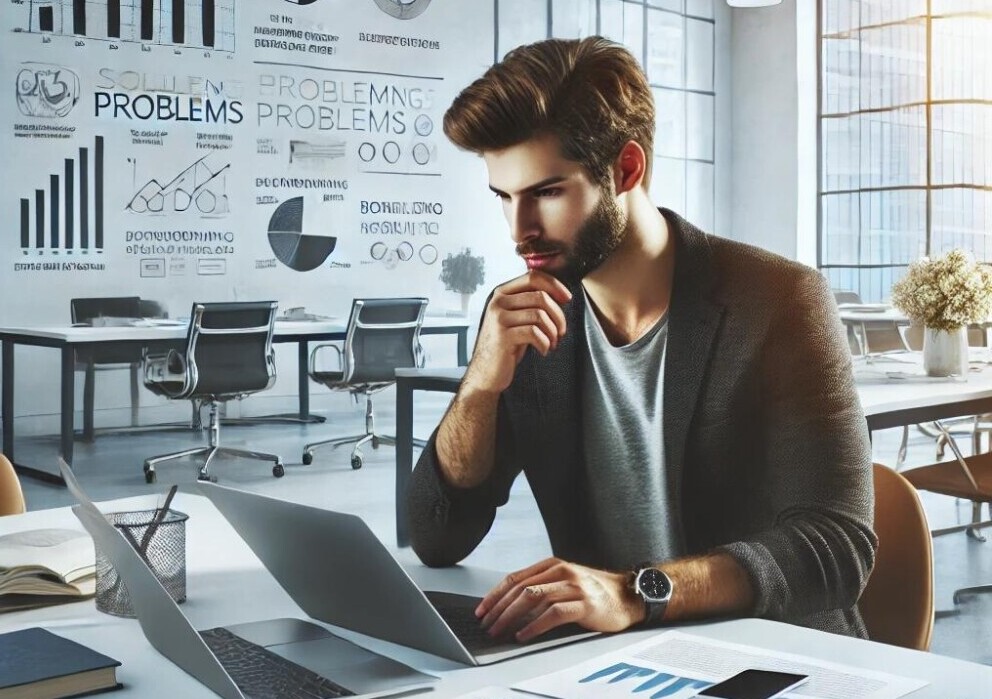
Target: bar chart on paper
x,y
199,24
67,215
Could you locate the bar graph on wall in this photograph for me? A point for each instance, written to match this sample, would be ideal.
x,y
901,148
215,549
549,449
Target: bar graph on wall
x,y
197,24
57,218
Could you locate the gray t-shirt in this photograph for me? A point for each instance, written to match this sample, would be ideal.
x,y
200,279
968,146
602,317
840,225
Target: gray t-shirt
x,y
625,458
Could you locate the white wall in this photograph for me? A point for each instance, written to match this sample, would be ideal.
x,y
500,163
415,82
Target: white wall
x,y
471,215
773,53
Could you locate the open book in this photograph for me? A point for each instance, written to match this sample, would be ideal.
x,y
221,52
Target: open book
x,y
45,566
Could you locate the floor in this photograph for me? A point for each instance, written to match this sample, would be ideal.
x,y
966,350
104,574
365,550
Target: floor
x,y
110,467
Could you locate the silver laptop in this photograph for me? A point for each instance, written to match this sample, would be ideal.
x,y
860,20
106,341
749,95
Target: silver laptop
x,y
338,571
277,658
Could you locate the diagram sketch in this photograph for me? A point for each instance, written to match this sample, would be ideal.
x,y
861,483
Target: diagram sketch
x,y
290,245
200,188
206,24
46,90
403,9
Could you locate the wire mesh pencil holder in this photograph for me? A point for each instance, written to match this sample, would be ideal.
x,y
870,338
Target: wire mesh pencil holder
x,y
164,551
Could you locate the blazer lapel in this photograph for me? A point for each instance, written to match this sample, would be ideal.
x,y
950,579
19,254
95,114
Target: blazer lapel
x,y
559,415
693,320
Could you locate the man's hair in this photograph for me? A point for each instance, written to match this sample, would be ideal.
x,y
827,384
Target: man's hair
x,y
590,93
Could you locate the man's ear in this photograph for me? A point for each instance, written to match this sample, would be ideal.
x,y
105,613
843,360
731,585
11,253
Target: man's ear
x,y
630,167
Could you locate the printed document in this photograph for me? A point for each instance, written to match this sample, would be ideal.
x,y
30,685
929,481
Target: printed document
x,y
677,665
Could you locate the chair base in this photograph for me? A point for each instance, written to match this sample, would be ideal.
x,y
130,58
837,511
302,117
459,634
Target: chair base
x,y
278,470
356,453
967,591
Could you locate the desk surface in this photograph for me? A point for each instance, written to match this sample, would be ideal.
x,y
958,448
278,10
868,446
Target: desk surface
x,y
78,335
894,391
858,315
227,584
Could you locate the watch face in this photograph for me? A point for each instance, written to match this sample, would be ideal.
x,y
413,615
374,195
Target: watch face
x,y
654,585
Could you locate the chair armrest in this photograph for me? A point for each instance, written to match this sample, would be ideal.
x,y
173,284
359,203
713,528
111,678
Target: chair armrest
x,y
168,368
318,349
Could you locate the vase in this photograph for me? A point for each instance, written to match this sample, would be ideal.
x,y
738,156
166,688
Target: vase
x,y
945,352
465,299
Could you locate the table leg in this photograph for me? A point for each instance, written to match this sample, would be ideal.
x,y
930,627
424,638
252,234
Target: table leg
x,y
7,404
303,379
404,456
68,401
463,347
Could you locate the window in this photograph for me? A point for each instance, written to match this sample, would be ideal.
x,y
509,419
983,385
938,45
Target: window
x,y
674,40
905,130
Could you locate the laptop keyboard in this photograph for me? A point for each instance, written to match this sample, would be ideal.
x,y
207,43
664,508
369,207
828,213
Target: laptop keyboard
x,y
261,674
458,612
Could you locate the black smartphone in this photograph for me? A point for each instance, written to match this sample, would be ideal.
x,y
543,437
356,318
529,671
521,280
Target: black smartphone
x,y
754,684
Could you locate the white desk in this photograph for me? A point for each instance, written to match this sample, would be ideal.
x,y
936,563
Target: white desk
x,y
894,402
67,339
226,584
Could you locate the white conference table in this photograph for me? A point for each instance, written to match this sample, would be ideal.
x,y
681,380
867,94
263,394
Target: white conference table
x,y
227,584
894,392
68,338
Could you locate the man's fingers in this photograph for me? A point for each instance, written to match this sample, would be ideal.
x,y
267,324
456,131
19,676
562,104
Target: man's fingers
x,y
536,317
540,281
537,300
531,601
510,581
550,575
554,616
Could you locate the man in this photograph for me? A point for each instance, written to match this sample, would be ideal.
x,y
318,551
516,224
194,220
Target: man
x,y
682,405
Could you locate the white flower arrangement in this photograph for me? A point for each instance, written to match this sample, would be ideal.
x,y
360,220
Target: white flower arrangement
x,y
945,293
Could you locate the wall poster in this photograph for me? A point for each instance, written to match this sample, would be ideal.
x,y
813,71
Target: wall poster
x,y
189,150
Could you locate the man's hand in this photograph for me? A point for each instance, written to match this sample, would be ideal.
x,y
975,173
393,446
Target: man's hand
x,y
524,312
553,592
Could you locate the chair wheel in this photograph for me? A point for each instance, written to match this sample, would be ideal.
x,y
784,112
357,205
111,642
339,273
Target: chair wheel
x,y
307,458
375,442
149,476
279,471
356,461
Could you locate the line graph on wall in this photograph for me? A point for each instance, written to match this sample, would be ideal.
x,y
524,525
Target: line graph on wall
x,y
200,188
68,215
201,24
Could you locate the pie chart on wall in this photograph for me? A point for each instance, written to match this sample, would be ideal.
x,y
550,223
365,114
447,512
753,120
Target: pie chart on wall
x,y
291,246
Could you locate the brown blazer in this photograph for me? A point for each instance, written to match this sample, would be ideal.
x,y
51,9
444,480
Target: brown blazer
x,y
766,447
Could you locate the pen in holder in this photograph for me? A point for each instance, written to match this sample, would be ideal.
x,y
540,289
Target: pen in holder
x,y
159,535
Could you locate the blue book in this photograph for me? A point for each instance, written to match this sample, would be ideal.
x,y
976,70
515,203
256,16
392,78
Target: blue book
x,y
37,664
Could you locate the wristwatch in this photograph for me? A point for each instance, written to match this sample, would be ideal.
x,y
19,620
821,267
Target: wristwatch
x,y
655,588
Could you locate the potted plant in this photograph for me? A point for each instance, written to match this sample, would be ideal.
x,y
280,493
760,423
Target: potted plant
x,y
944,294
463,273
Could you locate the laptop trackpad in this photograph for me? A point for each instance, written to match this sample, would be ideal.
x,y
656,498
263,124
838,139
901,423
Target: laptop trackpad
x,y
351,666
275,631
320,651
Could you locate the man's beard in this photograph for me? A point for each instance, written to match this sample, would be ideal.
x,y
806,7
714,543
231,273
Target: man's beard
x,y
594,242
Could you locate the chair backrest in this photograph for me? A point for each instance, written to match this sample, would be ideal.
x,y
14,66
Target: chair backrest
x,y
897,603
11,495
884,336
383,336
229,348
150,308
843,296
83,310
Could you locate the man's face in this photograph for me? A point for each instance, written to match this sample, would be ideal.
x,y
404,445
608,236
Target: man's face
x,y
562,221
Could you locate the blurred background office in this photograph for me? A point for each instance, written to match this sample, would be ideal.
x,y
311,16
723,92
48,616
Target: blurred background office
x,y
206,151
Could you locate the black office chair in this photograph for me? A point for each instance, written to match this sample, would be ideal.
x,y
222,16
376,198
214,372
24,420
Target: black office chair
x,y
383,336
228,354
93,359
